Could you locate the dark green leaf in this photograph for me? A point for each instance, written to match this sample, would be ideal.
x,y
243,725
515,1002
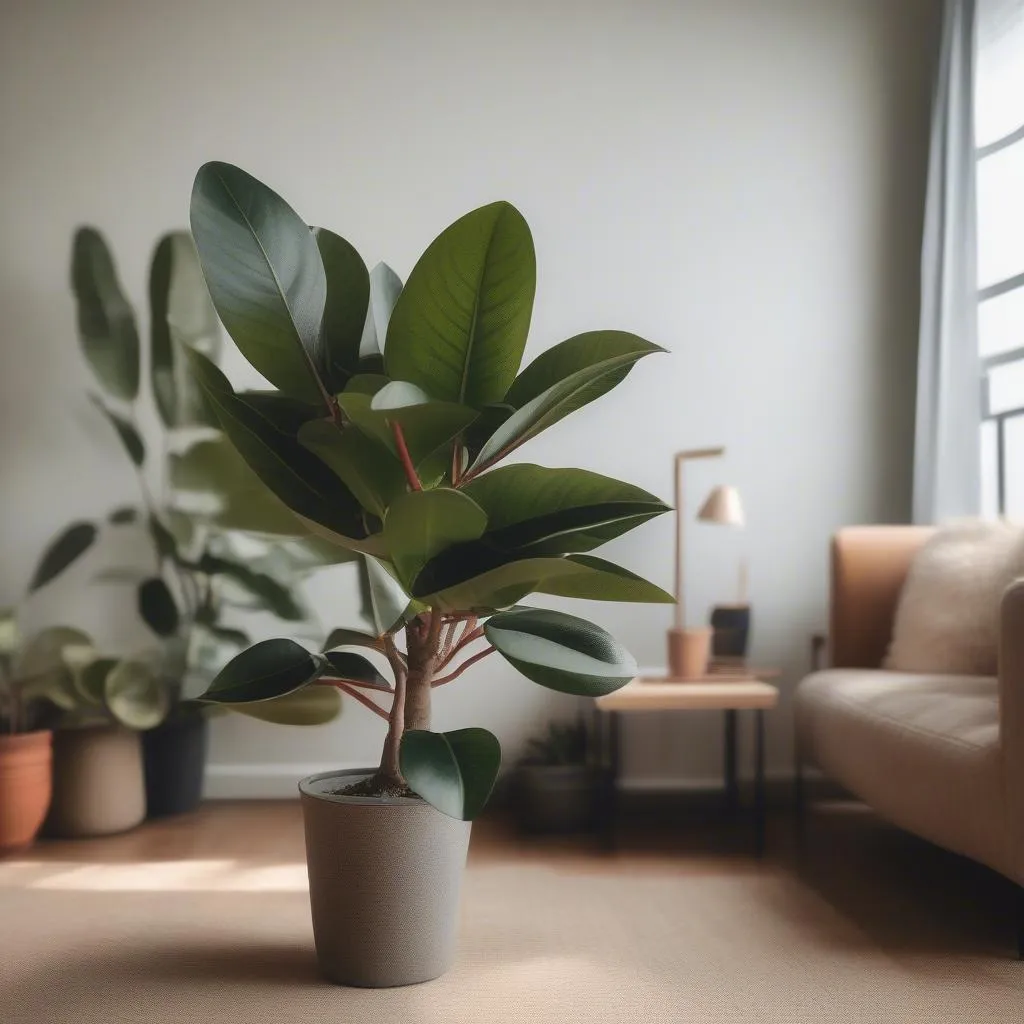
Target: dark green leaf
x,y
422,524
539,511
163,540
385,287
496,586
129,436
343,637
265,275
460,324
275,596
348,299
180,314
230,634
121,516
106,321
368,469
135,695
269,669
315,705
296,476
157,607
426,426
69,546
453,771
561,652
354,667
604,582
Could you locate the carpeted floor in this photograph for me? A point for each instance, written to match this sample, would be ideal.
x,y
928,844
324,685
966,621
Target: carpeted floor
x,y
888,930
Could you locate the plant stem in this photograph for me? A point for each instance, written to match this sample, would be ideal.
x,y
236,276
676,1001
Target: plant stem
x,y
390,768
406,459
462,668
362,698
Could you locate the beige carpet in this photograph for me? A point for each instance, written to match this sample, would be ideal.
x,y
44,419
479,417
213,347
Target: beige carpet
x,y
578,939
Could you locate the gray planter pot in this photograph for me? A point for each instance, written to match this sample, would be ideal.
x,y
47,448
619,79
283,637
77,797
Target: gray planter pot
x,y
385,877
557,798
98,782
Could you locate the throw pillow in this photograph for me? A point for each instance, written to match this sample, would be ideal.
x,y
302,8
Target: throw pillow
x,y
947,618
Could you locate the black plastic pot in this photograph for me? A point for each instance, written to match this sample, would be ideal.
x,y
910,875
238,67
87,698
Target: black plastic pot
x,y
175,759
556,798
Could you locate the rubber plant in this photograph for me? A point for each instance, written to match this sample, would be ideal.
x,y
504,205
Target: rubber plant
x,y
220,540
401,464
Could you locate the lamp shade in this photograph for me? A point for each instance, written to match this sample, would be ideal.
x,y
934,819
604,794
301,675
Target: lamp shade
x,y
723,506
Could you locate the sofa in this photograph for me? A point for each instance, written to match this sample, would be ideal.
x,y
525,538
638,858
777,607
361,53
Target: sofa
x,y
938,755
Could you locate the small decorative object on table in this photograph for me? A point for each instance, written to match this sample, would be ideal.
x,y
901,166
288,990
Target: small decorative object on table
x,y
690,649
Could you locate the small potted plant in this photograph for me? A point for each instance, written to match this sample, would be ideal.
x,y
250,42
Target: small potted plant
x,y
556,785
200,506
400,463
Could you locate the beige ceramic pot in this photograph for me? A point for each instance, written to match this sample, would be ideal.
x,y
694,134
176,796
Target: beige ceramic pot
x,y
98,782
385,877
25,787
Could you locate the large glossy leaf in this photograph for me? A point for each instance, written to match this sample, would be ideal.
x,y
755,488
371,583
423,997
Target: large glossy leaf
x,y
136,695
615,351
314,705
562,652
495,587
126,432
295,475
265,275
538,511
385,287
460,324
62,552
604,581
269,669
269,592
357,669
180,314
157,607
106,322
345,313
422,524
453,771
389,602
426,425
366,467
343,637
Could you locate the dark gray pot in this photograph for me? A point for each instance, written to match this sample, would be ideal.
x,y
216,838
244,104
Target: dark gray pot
x,y
557,798
174,754
385,877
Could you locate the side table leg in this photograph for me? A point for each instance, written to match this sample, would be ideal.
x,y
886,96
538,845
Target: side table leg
x,y
759,794
732,791
611,787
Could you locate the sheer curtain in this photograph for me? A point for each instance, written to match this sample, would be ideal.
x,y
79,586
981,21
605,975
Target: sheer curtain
x,y
946,453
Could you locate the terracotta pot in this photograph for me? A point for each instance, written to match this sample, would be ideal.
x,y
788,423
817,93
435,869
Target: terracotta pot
x,y
26,761
385,877
98,786
175,757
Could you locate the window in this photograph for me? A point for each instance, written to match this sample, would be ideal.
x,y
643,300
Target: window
x,y
999,135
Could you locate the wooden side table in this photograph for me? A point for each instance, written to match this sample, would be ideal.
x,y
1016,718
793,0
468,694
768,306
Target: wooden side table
x,y
730,692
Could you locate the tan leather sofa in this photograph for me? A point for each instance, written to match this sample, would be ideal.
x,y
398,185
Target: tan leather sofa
x,y
941,756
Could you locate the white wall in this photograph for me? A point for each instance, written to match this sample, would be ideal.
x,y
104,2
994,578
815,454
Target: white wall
x,y
738,180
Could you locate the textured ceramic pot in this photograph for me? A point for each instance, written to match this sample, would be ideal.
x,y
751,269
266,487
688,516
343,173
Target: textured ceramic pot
x,y
385,877
25,787
98,786
174,754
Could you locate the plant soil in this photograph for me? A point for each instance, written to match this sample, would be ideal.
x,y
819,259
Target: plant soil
x,y
376,786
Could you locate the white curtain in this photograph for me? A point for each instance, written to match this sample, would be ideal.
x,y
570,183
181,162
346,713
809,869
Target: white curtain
x,y
946,456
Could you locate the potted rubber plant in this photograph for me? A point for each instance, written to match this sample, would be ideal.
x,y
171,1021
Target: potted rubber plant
x,y
219,540
401,464
556,785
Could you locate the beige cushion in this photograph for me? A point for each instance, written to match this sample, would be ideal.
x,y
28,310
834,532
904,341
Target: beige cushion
x,y
921,750
947,618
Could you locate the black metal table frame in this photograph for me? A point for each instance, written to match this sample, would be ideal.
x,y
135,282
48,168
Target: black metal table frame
x,y
612,748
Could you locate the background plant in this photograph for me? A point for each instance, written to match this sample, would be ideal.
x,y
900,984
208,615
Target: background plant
x,y
401,465
208,517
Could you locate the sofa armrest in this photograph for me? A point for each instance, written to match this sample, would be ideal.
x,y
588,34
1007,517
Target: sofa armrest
x,y
1011,716
869,565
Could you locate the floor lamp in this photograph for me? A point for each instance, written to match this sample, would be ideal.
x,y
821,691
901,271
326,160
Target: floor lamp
x,y
689,650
